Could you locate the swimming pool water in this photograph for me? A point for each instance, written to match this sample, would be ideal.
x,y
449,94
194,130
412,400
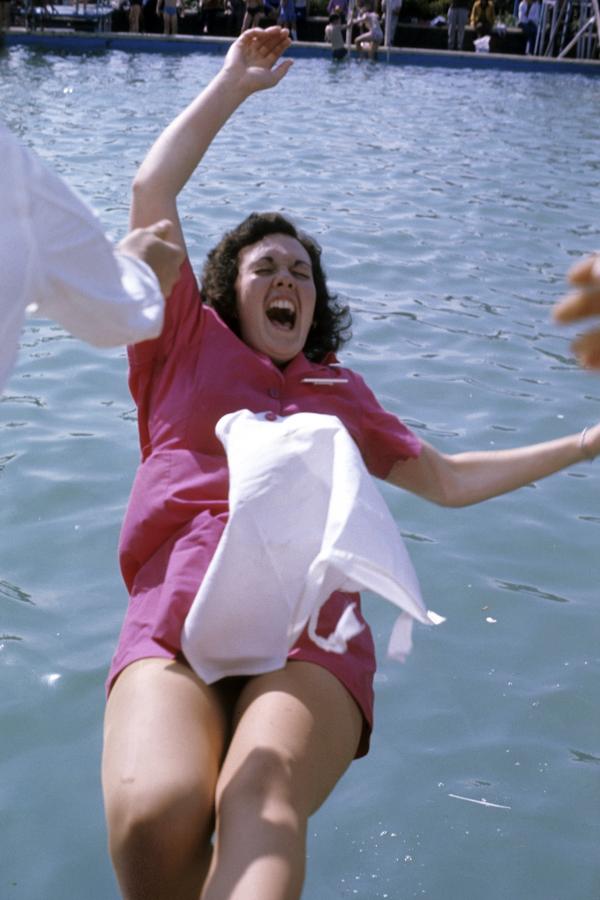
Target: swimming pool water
x,y
449,204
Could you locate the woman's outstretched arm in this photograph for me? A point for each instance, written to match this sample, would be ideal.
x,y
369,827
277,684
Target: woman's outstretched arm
x,y
466,478
250,65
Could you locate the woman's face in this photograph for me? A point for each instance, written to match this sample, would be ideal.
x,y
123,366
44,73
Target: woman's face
x,y
276,296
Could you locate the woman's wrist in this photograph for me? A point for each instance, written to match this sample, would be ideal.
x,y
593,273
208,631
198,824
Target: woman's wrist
x,y
230,82
584,447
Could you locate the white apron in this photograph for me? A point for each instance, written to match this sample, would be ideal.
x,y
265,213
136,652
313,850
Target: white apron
x,y
306,519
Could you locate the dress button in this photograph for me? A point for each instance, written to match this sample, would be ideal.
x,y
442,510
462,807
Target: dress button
x,y
270,416
274,393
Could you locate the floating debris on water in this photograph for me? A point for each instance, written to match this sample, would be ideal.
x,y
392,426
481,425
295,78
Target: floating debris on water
x,y
482,802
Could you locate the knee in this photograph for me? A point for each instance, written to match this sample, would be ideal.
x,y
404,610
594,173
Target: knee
x,y
160,828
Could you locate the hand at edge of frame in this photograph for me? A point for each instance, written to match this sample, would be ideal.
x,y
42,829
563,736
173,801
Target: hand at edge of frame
x,y
582,303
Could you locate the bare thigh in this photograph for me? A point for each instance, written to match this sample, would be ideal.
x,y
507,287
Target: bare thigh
x,y
164,739
295,733
305,716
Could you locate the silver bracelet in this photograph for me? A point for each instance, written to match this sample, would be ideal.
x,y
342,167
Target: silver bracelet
x,y
582,444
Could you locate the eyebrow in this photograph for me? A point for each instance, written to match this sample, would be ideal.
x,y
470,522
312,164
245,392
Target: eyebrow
x,y
271,259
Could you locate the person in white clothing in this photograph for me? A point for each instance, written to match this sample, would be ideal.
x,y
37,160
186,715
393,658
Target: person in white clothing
x,y
528,19
57,262
372,36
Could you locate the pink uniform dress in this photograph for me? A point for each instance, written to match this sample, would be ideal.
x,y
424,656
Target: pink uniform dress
x,y
183,382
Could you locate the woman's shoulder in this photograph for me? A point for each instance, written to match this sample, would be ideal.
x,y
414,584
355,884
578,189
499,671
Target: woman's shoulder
x,y
183,322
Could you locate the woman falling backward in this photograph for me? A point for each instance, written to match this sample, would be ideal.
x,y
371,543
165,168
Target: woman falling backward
x,y
208,788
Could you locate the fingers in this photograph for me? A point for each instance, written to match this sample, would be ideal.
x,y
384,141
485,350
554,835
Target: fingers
x,y
585,300
578,305
162,229
282,69
585,271
164,232
270,32
587,349
264,35
163,257
274,45
583,303
269,43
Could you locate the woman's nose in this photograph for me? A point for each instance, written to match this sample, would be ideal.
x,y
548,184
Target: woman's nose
x,y
284,277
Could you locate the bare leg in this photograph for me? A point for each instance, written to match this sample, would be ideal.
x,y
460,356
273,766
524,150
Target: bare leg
x,y
134,18
4,16
164,739
297,731
251,21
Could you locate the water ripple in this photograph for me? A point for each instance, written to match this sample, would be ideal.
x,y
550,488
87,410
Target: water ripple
x,y
530,589
449,205
580,756
10,591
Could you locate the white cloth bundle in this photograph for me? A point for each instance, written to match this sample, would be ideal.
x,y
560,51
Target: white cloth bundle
x,y
305,520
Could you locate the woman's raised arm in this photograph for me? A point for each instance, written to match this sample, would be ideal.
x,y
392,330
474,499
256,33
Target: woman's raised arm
x,y
250,65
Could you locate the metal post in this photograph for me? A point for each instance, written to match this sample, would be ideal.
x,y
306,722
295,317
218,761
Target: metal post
x,y
541,28
575,39
350,15
556,16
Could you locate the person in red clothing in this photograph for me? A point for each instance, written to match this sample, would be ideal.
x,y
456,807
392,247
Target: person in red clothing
x,y
209,788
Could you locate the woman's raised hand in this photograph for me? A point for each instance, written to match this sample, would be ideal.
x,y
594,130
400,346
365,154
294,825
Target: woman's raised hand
x,y
582,303
252,59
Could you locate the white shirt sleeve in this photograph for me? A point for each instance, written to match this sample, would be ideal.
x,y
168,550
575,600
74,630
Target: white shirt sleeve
x,y
56,261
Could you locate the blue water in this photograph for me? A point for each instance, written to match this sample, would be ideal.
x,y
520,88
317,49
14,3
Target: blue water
x,y
450,204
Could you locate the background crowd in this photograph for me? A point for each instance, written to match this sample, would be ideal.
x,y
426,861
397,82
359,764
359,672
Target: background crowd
x,y
360,24
329,19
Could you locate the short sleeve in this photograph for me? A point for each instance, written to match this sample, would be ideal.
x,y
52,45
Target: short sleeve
x,y
384,439
182,322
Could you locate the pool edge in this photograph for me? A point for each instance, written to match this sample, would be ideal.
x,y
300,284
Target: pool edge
x,y
62,39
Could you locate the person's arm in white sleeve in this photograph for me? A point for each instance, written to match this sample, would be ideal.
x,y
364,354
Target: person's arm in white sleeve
x,y
78,279
56,259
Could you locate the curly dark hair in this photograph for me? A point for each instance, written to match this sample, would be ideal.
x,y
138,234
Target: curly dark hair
x,y
331,321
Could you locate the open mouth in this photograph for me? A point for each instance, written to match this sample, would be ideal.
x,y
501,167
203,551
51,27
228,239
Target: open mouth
x,y
282,314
